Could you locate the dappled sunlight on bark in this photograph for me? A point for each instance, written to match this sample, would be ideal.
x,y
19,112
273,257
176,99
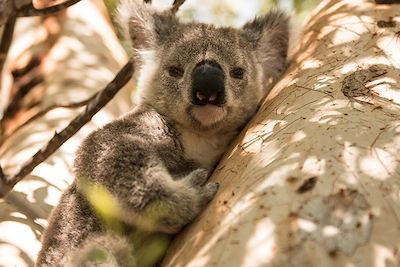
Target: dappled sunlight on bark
x,y
314,179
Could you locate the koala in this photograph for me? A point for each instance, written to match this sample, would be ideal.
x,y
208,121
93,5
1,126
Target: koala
x,y
198,87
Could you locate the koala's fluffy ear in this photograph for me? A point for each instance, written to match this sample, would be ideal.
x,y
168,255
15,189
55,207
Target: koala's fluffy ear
x,y
270,35
145,27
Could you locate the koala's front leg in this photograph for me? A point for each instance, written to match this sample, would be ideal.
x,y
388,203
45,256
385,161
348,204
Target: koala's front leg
x,y
182,199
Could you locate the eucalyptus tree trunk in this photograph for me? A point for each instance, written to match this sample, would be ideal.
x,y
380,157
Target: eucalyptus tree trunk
x,y
314,180
60,59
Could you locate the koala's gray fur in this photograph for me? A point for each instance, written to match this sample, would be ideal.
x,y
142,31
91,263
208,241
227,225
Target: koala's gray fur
x,y
158,157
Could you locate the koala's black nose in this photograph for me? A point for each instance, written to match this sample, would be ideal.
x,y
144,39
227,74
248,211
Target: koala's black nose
x,y
208,84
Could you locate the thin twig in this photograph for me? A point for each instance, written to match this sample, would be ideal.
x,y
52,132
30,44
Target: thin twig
x,y
23,90
6,39
30,11
2,175
176,5
3,183
52,107
44,112
99,101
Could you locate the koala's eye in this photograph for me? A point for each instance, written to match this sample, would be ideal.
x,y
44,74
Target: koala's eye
x,y
175,72
237,73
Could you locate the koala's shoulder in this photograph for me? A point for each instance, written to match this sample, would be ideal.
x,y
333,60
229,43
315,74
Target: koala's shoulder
x,y
143,124
141,129
137,122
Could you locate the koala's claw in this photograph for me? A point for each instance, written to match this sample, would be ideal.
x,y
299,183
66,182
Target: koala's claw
x,y
208,192
213,187
198,177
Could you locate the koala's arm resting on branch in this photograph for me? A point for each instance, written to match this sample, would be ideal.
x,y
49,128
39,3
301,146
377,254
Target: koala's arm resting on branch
x,y
315,178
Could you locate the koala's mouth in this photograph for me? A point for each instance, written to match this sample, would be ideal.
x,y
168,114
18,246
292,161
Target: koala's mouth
x,y
208,114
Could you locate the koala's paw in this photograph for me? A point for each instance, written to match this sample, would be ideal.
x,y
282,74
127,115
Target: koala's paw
x,y
208,192
186,202
198,177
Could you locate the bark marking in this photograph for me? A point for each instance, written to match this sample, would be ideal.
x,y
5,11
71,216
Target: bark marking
x,y
307,185
386,23
342,221
355,84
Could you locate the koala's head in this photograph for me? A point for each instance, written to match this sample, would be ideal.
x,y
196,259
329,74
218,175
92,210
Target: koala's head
x,y
201,76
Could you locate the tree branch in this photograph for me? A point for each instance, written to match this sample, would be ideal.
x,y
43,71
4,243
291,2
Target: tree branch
x,y
3,183
2,175
99,101
388,2
176,5
30,11
6,39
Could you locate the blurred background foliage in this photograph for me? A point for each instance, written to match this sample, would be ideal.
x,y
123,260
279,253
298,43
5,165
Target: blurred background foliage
x,y
231,12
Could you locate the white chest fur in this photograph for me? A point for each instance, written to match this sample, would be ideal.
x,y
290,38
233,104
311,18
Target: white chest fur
x,y
204,149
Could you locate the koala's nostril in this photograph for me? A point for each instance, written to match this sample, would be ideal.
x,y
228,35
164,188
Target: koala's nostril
x,y
206,98
213,97
208,84
200,96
